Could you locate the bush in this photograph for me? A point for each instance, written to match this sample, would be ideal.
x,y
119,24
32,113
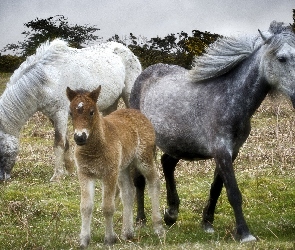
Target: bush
x,y
9,63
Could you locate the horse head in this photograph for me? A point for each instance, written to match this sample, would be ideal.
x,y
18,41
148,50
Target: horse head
x,y
8,152
83,108
278,61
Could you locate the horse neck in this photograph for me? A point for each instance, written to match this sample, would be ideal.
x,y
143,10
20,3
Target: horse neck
x,y
98,133
16,107
251,86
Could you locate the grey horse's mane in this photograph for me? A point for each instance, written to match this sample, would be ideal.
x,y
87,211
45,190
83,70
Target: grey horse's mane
x,y
227,52
223,55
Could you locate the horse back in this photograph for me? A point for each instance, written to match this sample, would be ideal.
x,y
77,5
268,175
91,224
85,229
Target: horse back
x,y
132,129
150,75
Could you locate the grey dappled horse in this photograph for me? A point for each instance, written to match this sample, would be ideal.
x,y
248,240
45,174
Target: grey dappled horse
x,y
205,112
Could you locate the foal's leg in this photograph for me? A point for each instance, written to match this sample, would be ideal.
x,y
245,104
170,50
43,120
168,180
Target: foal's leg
x,y
87,199
127,196
108,207
168,165
208,212
225,168
149,171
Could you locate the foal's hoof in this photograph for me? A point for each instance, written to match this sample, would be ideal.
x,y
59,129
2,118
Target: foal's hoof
x,y
160,231
56,178
248,238
170,216
84,242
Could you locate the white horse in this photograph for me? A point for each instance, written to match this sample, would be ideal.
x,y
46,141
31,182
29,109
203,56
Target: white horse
x,y
39,84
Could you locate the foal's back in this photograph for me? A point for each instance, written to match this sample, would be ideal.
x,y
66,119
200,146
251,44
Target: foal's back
x,y
131,128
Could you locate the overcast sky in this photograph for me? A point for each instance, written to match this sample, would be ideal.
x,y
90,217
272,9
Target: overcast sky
x,y
147,18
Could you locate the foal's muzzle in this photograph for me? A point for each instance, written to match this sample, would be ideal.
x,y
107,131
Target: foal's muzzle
x,y
80,139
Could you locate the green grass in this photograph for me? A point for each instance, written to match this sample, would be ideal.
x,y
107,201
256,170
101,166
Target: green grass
x,y
37,214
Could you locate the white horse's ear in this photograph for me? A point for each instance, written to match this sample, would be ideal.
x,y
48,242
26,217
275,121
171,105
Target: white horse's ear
x,y
265,36
95,93
71,94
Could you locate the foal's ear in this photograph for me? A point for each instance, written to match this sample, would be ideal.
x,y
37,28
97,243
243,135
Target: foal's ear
x,y
95,93
71,94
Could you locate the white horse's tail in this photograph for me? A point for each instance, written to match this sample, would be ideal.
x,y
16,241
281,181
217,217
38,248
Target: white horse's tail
x,y
132,68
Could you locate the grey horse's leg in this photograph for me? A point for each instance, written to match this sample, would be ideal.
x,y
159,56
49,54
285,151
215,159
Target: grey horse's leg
x,y
169,164
208,212
225,168
139,183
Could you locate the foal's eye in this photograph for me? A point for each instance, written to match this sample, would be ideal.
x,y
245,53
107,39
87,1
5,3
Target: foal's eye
x,y
91,112
282,59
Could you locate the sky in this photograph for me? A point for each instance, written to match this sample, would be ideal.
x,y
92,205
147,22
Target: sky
x,y
148,18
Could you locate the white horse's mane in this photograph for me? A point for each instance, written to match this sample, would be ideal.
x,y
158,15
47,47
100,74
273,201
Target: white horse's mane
x,y
48,52
223,55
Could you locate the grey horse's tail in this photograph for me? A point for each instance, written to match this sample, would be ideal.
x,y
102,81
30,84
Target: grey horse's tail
x,y
136,93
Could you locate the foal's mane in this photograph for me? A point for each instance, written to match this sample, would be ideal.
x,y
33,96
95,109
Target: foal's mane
x,y
223,55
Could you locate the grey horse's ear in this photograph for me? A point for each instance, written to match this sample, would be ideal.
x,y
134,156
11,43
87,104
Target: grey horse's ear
x,y
71,94
265,36
95,93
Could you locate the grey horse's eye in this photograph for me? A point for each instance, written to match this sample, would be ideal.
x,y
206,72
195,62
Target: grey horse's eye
x,y
282,59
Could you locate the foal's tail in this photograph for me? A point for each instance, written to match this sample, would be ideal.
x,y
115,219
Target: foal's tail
x,y
132,68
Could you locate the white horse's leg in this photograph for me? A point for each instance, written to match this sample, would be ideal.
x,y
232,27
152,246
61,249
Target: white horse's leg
x,y
109,188
61,146
127,195
86,206
152,178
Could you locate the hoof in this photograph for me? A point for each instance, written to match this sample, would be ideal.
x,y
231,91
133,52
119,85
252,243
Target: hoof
x,y
160,231
84,242
170,217
141,222
129,235
248,238
109,241
208,228
56,178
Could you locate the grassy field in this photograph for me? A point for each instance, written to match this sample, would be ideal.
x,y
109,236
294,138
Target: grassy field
x,y
38,214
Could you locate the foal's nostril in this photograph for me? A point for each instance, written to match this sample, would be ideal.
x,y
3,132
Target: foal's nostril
x,y
80,139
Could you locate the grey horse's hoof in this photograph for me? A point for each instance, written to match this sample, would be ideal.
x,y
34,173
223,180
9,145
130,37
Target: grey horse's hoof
x,y
170,217
248,238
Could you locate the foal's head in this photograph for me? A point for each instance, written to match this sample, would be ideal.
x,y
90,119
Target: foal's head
x,y
83,110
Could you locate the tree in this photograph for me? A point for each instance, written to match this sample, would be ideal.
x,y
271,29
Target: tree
x,y
179,49
41,30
